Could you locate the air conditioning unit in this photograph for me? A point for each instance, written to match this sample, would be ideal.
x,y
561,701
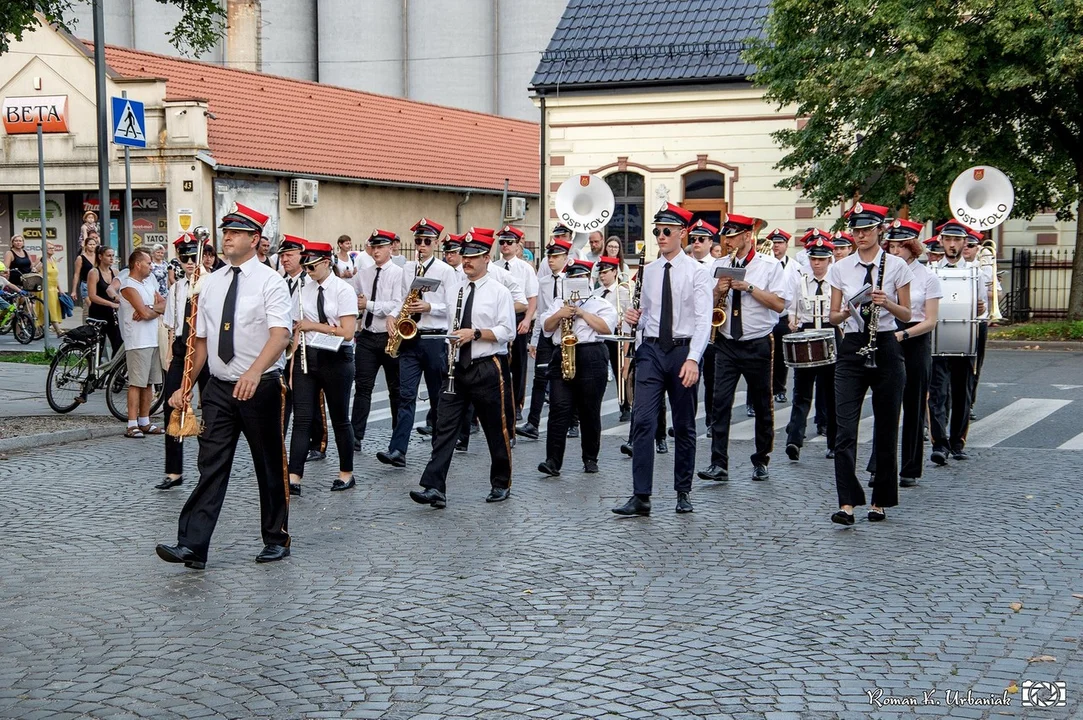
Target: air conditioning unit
x,y
303,193
515,209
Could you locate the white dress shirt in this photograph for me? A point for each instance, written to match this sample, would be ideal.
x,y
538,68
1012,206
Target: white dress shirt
x,y
439,299
389,295
802,305
620,297
549,293
848,275
175,303
764,273
925,286
492,310
801,258
523,272
339,299
294,285
263,302
691,286
584,332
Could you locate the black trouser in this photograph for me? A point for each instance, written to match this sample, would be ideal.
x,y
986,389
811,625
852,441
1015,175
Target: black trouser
x,y
658,372
660,427
174,447
482,385
821,414
418,358
750,359
949,397
852,381
917,359
224,419
542,354
983,338
584,393
369,357
518,362
317,435
805,381
328,377
615,365
708,369
779,370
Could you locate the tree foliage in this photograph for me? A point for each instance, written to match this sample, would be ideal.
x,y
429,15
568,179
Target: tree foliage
x,y
198,30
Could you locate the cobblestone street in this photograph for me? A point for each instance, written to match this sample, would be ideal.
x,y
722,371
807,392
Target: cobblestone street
x,y
543,606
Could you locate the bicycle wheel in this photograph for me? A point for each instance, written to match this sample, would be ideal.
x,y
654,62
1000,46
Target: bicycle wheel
x,y
116,390
25,328
36,308
158,399
67,378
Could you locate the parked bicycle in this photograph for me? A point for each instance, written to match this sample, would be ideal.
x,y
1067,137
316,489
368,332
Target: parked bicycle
x,y
82,366
19,317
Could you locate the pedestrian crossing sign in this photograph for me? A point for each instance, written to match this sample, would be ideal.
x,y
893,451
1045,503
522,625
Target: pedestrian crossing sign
x,y
129,127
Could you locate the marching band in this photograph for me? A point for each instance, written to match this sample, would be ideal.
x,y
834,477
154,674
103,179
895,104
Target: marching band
x,y
854,312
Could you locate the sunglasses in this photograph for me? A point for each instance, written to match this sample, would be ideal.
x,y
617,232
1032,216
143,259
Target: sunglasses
x,y
508,241
701,239
187,258
664,231
423,241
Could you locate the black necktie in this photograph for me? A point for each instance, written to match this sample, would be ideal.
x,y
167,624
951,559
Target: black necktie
x,y
819,286
554,287
184,321
737,329
229,309
605,293
293,285
507,265
319,307
866,308
465,322
372,298
665,322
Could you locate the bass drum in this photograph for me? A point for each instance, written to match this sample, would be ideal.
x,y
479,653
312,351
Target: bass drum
x,y
956,331
809,348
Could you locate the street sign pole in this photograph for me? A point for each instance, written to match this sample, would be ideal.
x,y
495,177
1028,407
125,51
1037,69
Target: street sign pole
x,y
129,130
44,239
128,241
103,120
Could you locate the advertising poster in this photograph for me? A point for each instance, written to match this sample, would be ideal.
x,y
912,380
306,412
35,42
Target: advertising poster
x,y
26,221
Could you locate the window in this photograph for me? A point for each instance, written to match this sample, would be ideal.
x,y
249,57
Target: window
x,y
705,196
627,222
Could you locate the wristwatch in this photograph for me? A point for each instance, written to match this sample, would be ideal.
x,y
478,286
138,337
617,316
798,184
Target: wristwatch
x,y
477,334
906,334
751,289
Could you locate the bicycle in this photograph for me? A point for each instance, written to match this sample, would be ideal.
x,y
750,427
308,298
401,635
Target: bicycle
x,y
20,319
79,369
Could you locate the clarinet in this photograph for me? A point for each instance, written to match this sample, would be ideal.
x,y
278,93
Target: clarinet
x,y
637,290
453,351
869,351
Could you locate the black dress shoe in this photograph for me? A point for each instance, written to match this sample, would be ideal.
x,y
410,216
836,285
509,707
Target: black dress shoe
x,y
714,472
357,446
625,415
684,505
661,447
972,415
395,458
429,496
760,473
939,457
315,455
498,495
181,554
169,482
793,452
518,415
527,430
821,430
295,489
960,455
590,466
907,482
842,518
339,485
669,432
425,430
475,428
273,553
872,481
626,449
548,467
750,411
573,431
877,516
830,454
780,397
634,506
462,446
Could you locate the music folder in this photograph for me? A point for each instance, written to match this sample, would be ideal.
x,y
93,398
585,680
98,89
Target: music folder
x,y
864,295
425,284
730,272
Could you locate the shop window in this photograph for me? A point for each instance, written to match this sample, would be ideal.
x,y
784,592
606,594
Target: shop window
x,y
627,222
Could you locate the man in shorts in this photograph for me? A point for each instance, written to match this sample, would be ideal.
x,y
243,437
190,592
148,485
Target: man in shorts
x,y
140,308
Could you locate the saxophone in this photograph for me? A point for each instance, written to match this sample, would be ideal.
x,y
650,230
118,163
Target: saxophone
x,y
568,341
405,326
718,314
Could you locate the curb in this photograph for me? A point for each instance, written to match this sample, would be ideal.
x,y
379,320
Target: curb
x,y
62,437
1060,345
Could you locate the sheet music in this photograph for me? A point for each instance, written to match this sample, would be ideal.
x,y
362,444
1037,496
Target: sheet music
x,y
730,272
322,341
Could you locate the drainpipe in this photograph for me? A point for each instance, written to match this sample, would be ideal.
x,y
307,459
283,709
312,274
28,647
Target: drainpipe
x,y
459,213
543,194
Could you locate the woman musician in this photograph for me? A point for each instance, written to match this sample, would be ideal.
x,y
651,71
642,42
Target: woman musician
x,y
869,357
178,308
323,361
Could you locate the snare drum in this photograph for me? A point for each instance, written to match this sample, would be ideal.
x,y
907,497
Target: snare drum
x,y
956,331
809,348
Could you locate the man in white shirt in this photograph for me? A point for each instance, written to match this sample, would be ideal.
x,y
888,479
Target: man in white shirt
x,y
620,297
425,355
744,344
242,331
674,322
593,249
780,241
140,308
970,252
483,324
510,238
701,236
379,299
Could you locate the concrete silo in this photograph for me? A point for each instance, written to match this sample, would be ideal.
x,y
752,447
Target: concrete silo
x,y
288,38
361,44
450,52
523,31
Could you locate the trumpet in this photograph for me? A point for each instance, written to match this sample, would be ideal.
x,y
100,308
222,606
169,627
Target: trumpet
x,y
568,340
987,257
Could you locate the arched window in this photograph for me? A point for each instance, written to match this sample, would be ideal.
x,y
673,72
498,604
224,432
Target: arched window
x,y
705,195
627,222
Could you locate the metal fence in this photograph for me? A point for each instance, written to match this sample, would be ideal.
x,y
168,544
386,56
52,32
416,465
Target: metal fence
x,y
1038,284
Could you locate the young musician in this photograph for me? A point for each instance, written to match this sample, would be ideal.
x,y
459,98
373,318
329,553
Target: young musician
x,y
674,322
242,331
811,297
844,244
589,317
744,345
780,242
886,280
510,239
329,308
484,322
970,252
703,235
619,296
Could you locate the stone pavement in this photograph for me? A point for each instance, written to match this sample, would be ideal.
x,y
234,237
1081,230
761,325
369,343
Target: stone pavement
x,y
545,606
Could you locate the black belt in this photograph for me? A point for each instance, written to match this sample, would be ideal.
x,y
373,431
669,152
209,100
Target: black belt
x,y
676,342
270,375
590,344
432,332
370,332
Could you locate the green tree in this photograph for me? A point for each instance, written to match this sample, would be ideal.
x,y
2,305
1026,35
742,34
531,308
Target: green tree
x,y
900,96
199,28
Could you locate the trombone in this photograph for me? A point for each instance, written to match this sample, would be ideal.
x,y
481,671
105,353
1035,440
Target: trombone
x,y
987,257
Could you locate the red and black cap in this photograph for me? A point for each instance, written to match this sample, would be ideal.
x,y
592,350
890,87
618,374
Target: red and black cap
x,y
559,247
817,243
863,215
315,252
779,235
736,224
702,228
900,230
579,268
291,242
933,246
382,237
974,237
427,228
608,263
242,217
453,243
510,231
561,229
953,228
670,214
842,239
186,245
476,244
481,232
